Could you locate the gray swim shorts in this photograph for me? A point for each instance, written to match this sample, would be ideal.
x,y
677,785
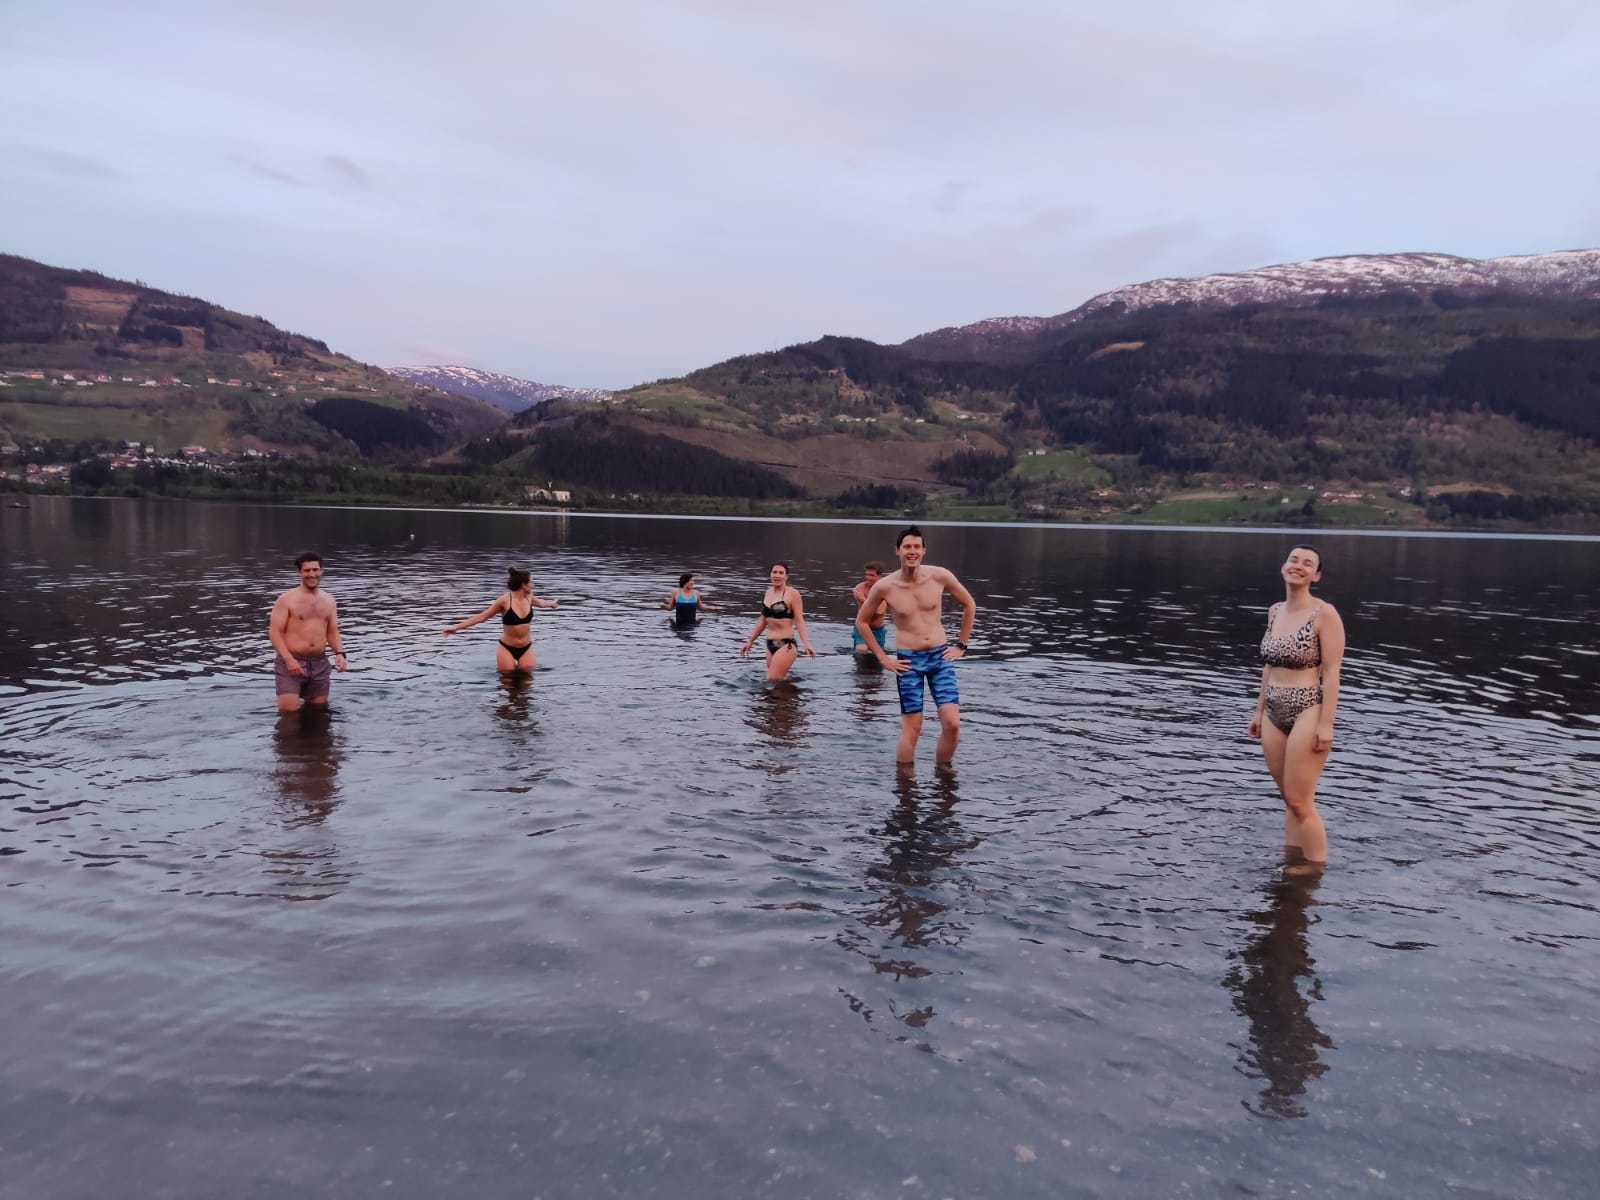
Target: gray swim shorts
x,y
313,684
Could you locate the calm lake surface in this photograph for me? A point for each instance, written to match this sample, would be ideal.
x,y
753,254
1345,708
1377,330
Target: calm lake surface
x,y
651,927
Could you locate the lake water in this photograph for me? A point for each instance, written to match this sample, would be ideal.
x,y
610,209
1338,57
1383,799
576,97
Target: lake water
x,y
650,927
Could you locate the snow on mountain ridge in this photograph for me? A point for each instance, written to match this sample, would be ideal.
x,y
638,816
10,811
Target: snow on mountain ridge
x,y
1566,274
506,392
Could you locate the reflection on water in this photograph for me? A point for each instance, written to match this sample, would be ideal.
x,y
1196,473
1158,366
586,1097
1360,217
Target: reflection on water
x,y
306,770
516,689
870,686
1274,984
602,923
910,914
778,712
309,864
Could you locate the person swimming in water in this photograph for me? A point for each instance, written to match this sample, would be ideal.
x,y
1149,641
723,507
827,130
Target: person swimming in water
x,y
1303,649
879,627
686,603
515,610
783,621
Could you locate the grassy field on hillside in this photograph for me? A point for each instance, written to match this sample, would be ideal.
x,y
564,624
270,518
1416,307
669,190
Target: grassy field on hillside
x,y
684,402
202,424
971,512
1067,466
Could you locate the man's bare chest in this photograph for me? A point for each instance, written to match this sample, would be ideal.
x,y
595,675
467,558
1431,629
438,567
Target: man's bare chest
x,y
305,611
916,598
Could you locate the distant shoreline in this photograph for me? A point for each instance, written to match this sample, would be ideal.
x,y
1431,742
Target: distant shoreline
x,y
812,513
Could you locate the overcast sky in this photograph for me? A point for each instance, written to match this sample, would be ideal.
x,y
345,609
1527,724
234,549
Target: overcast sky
x,y
598,193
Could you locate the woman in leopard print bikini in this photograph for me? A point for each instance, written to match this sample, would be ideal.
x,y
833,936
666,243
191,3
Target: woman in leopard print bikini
x,y
1303,648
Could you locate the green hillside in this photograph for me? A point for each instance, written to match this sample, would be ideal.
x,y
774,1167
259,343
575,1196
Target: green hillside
x,y
84,358
1398,411
1379,412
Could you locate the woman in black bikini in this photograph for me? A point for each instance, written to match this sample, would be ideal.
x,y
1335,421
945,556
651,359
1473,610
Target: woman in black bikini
x,y
1304,648
515,607
782,616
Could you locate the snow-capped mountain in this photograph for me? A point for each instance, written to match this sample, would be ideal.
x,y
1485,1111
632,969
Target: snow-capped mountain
x,y
505,392
1567,275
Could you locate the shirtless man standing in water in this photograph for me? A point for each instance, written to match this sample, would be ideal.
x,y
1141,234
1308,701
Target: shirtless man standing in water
x,y
305,622
914,594
871,573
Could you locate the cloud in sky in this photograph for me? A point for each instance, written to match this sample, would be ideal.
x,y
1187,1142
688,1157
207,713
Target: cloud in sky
x,y
601,194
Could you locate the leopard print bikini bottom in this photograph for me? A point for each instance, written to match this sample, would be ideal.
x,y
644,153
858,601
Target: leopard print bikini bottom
x,y
1284,704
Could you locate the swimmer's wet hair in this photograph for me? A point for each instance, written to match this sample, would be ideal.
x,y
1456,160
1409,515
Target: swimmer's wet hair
x,y
908,531
516,577
874,566
308,556
685,577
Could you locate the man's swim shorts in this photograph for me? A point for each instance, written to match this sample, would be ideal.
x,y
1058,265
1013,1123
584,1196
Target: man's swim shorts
x,y
880,632
311,684
930,665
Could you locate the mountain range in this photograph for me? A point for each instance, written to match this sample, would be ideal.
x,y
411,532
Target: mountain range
x,y
1473,385
85,358
505,392
1565,275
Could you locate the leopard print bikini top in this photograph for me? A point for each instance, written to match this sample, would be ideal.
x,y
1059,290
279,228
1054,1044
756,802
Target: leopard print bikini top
x,y
1297,650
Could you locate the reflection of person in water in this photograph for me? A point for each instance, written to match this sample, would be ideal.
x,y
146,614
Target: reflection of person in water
x,y
308,863
779,713
307,771
912,889
516,686
1266,980
870,698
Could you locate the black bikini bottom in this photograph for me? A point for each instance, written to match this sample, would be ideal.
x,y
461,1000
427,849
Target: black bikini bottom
x,y
774,645
516,652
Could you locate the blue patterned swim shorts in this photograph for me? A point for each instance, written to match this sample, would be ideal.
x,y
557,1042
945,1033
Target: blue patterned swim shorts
x,y
932,666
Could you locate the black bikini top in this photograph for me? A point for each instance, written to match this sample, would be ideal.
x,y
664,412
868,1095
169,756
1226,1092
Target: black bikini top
x,y
779,611
511,618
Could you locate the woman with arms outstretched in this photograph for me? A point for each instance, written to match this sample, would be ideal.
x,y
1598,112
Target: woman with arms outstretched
x,y
515,610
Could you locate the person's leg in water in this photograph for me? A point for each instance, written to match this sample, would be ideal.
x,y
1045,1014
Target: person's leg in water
x,y
1274,742
1302,769
908,684
905,752
291,685
319,681
780,660
947,697
949,734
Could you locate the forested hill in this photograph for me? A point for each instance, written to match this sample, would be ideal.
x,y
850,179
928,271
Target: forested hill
x,y
85,357
1491,396
1388,408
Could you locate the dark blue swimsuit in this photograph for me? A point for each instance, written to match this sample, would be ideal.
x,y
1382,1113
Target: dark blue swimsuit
x,y
685,612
